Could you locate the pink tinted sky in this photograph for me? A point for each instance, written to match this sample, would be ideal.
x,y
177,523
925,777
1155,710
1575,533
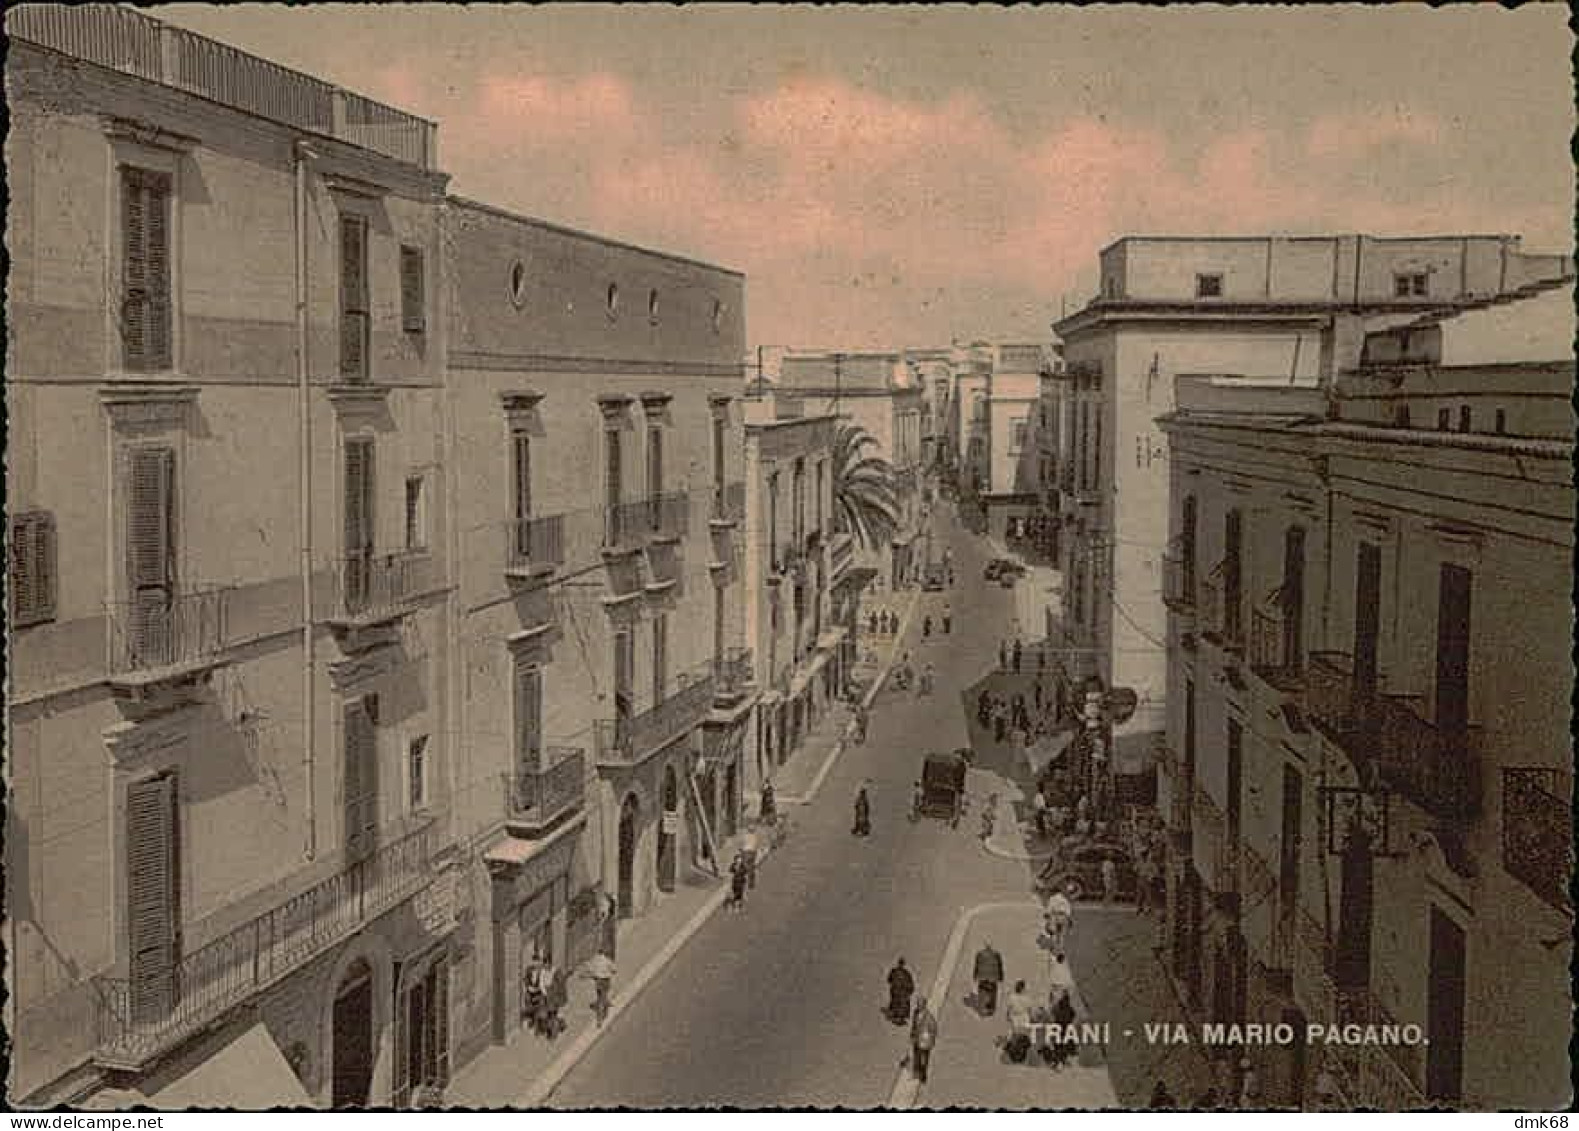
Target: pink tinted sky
x,y
904,175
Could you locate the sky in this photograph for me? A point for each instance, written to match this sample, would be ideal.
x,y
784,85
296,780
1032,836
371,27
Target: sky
x,y
894,176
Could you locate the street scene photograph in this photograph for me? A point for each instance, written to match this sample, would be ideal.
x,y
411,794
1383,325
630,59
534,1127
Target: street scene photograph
x,y
862,557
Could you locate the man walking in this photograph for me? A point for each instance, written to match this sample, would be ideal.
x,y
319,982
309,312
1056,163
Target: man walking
x,y
923,1036
1017,656
601,971
948,619
988,973
1109,880
748,856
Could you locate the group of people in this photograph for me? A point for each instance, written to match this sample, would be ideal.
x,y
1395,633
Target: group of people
x,y
946,620
905,676
1044,1028
1011,655
882,622
1055,818
544,992
1014,716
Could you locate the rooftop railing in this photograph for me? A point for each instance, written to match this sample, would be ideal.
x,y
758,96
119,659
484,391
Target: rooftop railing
x,y
127,41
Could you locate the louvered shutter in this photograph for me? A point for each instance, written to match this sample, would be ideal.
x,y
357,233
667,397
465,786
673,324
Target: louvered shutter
x,y
353,298
405,1001
660,658
152,897
358,519
158,271
361,783
624,705
150,545
32,568
145,268
411,290
521,458
528,716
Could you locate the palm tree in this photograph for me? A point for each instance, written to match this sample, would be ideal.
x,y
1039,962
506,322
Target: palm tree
x,y
863,488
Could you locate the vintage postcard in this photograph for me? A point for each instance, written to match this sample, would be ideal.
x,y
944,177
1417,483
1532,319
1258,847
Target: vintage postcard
x,y
861,557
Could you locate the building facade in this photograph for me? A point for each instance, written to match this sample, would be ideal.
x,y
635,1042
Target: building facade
x,y
1368,769
228,696
1296,308
597,502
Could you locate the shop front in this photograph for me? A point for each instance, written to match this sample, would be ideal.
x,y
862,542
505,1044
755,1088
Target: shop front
x,y
531,896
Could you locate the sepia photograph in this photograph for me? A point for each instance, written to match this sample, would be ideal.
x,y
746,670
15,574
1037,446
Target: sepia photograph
x,y
724,556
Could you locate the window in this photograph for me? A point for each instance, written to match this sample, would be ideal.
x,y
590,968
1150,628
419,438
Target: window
x,y
358,517
821,466
1411,284
417,771
361,779
521,492
1444,419
32,560
613,473
416,513
1017,435
654,467
1208,286
660,658
1465,418
720,440
151,553
611,300
1233,575
718,316
145,269
528,716
1501,426
1400,416
422,1057
518,284
353,298
652,306
718,626
153,888
412,287
1454,587
624,678
1293,598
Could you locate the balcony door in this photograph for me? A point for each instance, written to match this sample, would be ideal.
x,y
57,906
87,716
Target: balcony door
x,y
1233,576
358,520
153,918
521,501
151,556
613,474
1445,1010
1367,618
361,780
624,680
1452,649
1293,598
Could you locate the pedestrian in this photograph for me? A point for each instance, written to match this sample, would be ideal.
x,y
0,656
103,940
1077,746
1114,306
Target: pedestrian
x,y
737,882
1017,657
1039,809
768,810
748,856
900,986
558,996
601,970
1109,880
1145,880
923,1036
1041,657
871,622
926,627
988,973
611,920
1037,697
1060,979
1060,917
1161,1097
1017,1008
1003,655
863,814
948,619
983,707
927,675
860,725
1000,723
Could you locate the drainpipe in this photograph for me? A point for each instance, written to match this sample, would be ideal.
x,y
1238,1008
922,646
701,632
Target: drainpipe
x,y
304,410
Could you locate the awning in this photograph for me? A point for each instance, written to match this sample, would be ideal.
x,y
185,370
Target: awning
x,y
1135,746
858,578
249,1074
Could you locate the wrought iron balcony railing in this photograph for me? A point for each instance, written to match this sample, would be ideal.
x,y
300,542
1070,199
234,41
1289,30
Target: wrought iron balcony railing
x,y
1537,831
629,739
1274,653
668,514
732,672
537,797
535,545
155,631
729,502
138,1020
626,524
373,586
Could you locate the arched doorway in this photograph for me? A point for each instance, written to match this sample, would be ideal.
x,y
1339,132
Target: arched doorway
x,y
630,815
353,1038
668,857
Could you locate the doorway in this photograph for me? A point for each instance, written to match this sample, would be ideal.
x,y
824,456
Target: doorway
x,y
630,815
1444,1064
353,1038
668,862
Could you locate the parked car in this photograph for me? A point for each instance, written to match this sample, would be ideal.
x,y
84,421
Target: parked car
x,y
935,578
1078,871
999,568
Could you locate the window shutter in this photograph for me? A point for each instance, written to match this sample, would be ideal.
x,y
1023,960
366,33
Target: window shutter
x,y
43,571
361,782
152,903
31,556
411,289
353,298
521,457
134,268
150,548
158,272
528,716
358,496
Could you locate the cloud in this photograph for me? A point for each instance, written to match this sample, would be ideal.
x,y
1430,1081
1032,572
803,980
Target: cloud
x,y
1355,135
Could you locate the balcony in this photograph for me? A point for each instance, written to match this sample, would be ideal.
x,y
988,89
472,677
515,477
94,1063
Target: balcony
x,y
1178,583
732,674
668,516
139,1021
535,547
1386,738
375,588
729,503
631,739
155,637
1270,655
131,43
625,526
1209,608
535,800
1537,831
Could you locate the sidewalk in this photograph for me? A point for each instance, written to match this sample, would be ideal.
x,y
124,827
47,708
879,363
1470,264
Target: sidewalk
x,y
523,1072
969,1066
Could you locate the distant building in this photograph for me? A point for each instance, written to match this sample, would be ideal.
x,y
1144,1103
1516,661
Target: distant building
x,y
1003,448
1291,308
1368,770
